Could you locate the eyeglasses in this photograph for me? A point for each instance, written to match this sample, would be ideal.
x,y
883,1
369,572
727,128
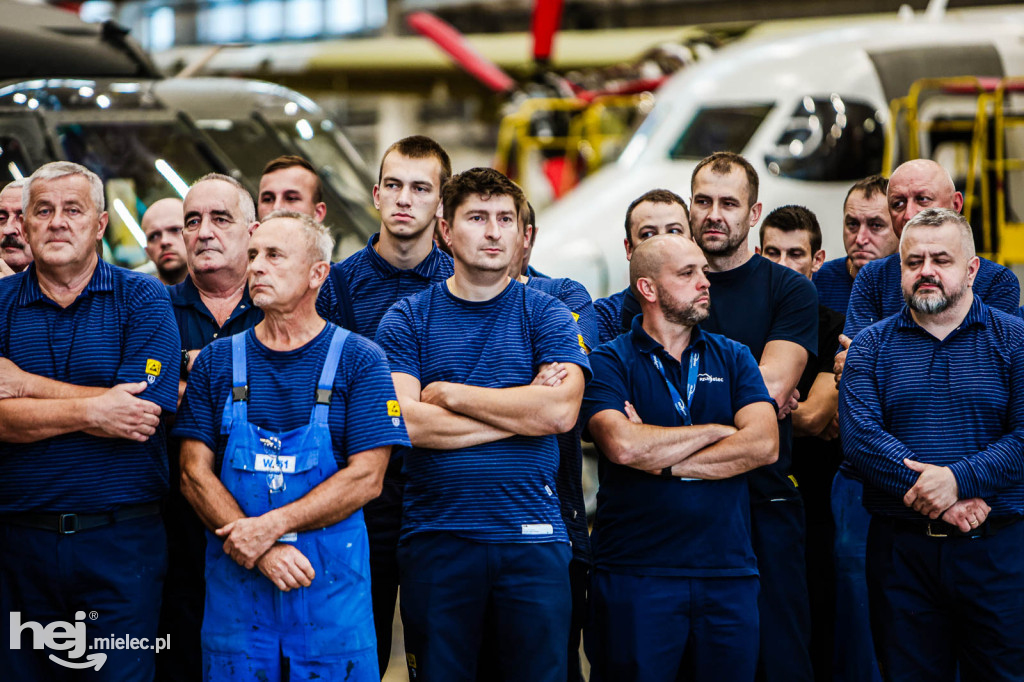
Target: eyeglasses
x,y
275,479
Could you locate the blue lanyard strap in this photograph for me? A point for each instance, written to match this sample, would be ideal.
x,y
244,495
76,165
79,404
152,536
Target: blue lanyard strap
x,y
682,407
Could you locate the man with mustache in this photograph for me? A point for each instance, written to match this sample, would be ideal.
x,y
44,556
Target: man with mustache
x,y
932,417
774,312
14,248
212,302
162,224
678,415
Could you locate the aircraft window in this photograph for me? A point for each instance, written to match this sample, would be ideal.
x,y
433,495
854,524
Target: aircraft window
x,y
717,129
829,139
138,163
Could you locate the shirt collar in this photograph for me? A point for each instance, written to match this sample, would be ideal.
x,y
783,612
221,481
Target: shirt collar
x,y
976,315
102,280
187,294
645,344
425,269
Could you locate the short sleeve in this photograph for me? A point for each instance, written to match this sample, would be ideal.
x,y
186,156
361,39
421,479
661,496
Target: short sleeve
x,y
372,416
197,417
577,299
397,337
747,381
796,314
555,337
152,348
609,387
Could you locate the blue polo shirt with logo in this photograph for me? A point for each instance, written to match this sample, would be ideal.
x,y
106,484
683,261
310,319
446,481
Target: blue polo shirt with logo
x,y
498,492
649,525
120,329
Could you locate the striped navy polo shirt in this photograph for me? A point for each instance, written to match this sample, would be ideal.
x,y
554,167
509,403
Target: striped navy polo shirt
x,y
120,329
958,402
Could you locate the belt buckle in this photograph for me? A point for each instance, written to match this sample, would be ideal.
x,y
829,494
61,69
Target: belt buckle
x,y
934,534
66,528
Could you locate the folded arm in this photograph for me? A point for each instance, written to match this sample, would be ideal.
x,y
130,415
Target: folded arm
x,y
754,444
431,426
821,405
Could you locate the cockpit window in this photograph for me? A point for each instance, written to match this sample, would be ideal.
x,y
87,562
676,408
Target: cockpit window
x,y
829,139
719,129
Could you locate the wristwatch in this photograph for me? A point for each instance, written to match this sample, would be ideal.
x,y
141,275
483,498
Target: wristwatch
x,y
184,362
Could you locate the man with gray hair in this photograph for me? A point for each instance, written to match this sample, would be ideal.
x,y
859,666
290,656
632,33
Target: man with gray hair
x,y
287,430
16,252
211,302
89,357
932,416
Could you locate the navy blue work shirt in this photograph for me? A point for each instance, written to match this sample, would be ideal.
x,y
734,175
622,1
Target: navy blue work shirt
x,y
197,325
834,284
649,525
615,314
120,329
878,291
958,402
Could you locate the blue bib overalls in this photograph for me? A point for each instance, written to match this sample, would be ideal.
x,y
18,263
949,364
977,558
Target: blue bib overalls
x,y
251,629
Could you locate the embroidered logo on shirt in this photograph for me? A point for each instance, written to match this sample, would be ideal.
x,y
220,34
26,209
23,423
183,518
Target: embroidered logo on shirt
x,y
395,412
707,378
152,370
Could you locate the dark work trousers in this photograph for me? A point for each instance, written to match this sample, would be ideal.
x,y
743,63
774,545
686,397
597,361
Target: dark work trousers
x,y
777,532
449,584
112,576
939,604
383,525
579,581
659,628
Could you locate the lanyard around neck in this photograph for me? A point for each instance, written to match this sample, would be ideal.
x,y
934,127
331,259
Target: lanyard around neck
x,y
682,407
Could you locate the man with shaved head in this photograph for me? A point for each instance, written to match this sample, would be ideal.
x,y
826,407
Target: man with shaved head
x,y
677,414
932,417
913,187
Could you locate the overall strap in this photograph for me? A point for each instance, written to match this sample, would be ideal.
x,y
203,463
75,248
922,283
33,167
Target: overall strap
x,y
325,387
238,405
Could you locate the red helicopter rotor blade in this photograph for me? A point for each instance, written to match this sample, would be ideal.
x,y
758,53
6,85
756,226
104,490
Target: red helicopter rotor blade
x,y
547,17
458,48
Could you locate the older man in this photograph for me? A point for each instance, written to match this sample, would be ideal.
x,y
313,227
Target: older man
x,y
211,302
678,415
932,415
162,224
83,455
14,248
287,429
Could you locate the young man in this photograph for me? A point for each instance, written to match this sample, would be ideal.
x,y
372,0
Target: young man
x,y
932,415
774,312
658,211
487,373
679,597
289,183
791,237
399,261
287,429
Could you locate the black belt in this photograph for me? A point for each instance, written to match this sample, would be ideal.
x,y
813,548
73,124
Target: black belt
x,y
941,529
69,524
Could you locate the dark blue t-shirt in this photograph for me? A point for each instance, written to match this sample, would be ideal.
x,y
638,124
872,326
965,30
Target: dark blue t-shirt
x,y
834,284
498,492
650,525
755,303
570,463
120,329
361,288
282,391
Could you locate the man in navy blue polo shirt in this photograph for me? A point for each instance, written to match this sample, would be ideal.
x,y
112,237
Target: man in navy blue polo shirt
x,y
932,416
399,261
482,525
913,187
91,354
773,311
678,415
287,429
211,302
658,211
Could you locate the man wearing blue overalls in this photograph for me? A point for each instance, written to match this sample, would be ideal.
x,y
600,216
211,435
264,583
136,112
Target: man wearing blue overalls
x,y
286,432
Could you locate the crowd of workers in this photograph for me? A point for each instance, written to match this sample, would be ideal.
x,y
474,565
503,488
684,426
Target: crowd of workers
x,y
808,469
